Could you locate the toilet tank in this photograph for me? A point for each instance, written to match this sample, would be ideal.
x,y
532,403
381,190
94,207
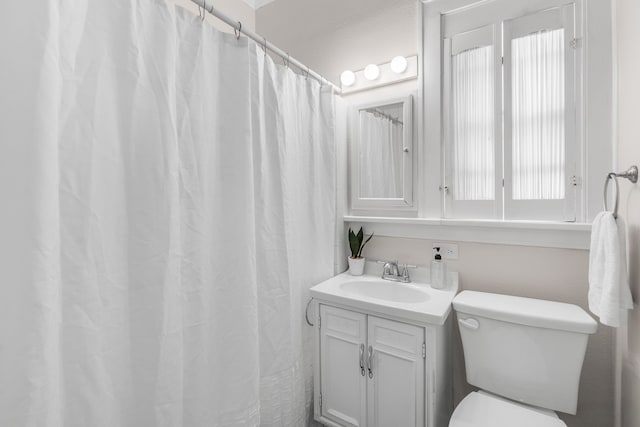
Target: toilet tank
x,y
524,349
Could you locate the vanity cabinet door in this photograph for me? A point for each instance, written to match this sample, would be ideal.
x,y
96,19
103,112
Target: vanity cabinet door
x,y
396,382
343,337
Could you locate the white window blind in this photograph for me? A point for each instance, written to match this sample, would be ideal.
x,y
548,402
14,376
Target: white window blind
x,y
473,151
540,148
538,131
473,124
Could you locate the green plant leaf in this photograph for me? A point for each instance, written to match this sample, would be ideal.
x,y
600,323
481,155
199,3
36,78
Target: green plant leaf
x,y
354,243
365,242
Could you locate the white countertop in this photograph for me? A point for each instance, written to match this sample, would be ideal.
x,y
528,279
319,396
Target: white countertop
x,y
433,309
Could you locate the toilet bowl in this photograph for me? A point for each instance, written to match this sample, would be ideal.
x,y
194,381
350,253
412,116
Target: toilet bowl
x,y
482,409
526,357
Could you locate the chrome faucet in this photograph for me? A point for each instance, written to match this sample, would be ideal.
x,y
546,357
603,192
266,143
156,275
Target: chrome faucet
x,y
391,271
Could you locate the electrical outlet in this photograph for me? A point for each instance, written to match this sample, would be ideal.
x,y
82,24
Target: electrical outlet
x,y
447,250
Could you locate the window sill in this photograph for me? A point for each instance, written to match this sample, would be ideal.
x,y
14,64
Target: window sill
x,y
524,233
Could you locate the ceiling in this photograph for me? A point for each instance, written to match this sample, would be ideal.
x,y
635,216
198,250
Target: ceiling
x,y
257,3
308,18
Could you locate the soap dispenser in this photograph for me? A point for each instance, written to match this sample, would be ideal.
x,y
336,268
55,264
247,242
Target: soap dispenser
x,y
438,270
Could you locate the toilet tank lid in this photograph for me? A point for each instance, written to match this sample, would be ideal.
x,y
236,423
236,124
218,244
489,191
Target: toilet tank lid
x,y
525,311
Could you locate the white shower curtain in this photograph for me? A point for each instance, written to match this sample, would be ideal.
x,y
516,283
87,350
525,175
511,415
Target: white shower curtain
x,y
381,174
168,197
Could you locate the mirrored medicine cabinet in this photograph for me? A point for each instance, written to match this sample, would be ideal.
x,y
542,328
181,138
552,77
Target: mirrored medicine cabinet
x,y
381,155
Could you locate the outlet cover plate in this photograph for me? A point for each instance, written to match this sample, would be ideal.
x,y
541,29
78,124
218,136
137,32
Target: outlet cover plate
x,y
447,250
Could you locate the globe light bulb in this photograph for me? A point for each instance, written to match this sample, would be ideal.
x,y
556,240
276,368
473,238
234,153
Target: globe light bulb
x,y
371,72
399,64
347,78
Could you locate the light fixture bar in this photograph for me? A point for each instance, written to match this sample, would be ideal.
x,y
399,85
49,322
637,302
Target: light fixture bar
x,y
387,75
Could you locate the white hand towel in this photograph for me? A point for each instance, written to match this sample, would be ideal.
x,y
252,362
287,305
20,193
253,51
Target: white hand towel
x,y
608,284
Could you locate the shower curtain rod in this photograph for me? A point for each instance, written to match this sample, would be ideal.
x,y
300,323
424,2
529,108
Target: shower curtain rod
x,y
237,26
377,112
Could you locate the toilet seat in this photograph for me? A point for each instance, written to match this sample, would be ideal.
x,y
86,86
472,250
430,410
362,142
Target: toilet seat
x,y
482,409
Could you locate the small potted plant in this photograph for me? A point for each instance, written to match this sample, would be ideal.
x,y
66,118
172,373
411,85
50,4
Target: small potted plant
x,y
356,260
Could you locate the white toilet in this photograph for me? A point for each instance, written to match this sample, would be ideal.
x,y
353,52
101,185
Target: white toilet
x,y
524,354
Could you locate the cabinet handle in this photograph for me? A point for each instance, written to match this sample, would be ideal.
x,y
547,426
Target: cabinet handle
x,y
370,362
362,360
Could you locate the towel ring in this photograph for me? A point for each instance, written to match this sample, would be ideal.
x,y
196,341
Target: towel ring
x,y
610,176
631,174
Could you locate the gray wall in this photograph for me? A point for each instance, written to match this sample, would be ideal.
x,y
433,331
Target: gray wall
x,y
333,35
628,354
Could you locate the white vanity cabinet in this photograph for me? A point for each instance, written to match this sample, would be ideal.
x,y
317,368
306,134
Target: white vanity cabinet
x,y
375,371
395,390
382,351
343,371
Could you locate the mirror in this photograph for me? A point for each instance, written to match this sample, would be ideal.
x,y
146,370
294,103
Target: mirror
x,y
382,156
381,151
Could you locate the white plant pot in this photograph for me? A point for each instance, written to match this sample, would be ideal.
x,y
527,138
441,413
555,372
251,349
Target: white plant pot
x,y
356,266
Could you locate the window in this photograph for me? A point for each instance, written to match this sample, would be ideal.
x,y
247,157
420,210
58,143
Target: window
x,y
553,147
509,111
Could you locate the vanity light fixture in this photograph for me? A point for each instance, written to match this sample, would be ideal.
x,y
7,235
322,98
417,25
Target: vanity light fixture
x,y
399,69
399,64
371,72
347,78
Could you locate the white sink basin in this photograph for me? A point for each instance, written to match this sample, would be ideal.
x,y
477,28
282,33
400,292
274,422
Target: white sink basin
x,y
415,302
387,291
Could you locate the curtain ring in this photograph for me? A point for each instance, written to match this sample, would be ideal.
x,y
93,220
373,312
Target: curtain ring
x,y
238,31
211,11
201,10
307,76
265,46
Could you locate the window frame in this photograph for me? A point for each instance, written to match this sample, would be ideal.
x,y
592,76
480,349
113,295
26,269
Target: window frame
x,y
507,26
471,209
594,126
545,209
